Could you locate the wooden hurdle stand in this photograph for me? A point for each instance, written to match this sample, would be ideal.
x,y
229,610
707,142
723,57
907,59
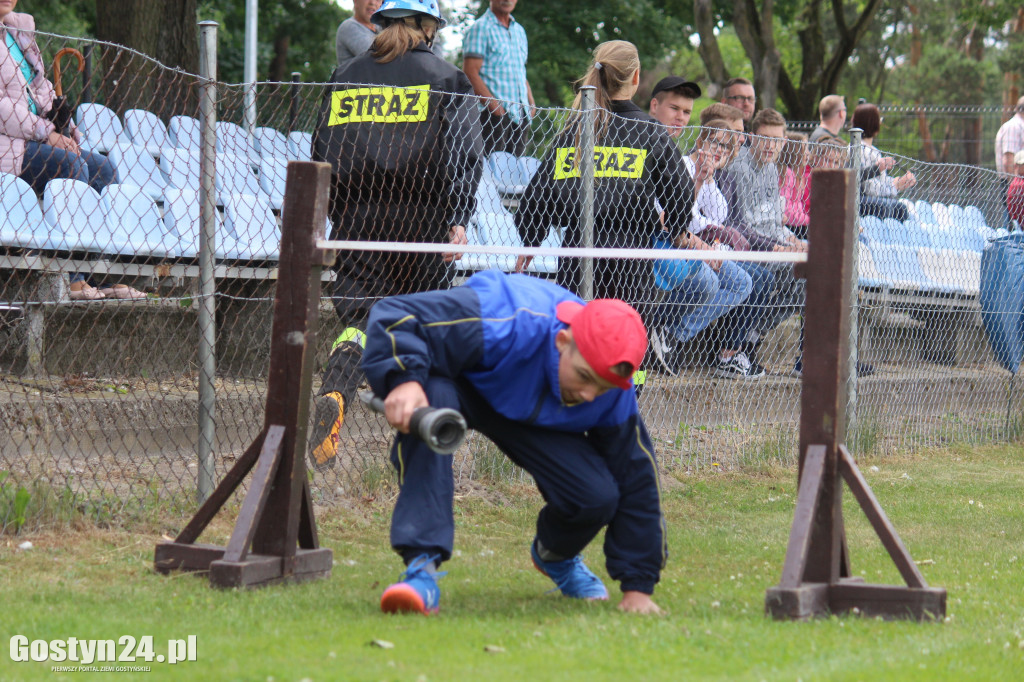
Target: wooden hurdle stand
x,y
275,538
816,577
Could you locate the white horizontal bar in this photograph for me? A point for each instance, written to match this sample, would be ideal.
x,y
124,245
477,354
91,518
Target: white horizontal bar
x,y
567,252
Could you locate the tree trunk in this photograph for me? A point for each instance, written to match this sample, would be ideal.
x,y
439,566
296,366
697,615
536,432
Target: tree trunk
x,y
279,64
916,49
708,49
164,31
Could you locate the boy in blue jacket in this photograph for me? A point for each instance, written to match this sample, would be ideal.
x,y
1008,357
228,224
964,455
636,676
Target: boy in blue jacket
x,y
547,379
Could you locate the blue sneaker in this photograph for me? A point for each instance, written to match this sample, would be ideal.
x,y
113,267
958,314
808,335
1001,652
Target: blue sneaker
x,y
571,576
416,590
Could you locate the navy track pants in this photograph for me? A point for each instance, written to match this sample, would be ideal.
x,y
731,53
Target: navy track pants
x,y
580,492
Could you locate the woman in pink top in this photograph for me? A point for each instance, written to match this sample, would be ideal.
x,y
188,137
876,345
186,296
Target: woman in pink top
x,y
794,184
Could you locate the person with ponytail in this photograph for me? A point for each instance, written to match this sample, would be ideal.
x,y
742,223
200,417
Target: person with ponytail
x,y
637,168
400,129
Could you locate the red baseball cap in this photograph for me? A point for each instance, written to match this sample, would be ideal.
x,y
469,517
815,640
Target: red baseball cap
x,y
607,331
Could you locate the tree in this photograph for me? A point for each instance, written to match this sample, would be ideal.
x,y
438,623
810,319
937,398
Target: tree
x,y
757,25
164,30
292,35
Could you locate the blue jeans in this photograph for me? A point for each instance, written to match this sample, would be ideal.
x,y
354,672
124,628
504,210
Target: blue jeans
x,y
704,297
43,163
746,318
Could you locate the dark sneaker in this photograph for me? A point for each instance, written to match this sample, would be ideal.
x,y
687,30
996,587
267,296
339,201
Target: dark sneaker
x,y
329,414
738,367
571,576
416,591
666,350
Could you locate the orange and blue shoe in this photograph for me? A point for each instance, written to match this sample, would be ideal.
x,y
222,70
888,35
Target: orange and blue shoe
x,y
329,415
571,576
416,591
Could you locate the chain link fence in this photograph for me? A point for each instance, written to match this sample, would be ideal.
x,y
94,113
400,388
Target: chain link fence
x,y
103,392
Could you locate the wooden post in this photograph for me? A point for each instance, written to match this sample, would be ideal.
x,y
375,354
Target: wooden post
x,y
816,576
275,538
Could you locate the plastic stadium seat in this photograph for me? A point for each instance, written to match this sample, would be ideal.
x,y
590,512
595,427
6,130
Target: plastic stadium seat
x,y
914,235
548,264
300,146
956,216
911,207
488,200
249,219
181,167
941,213
234,176
181,224
75,213
133,222
145,128
875,229
967,238
273,174
100,127
953,271
183,133
136,166
867,273
974,217
232,139
901,266
508,174
21,220
270,142
925,213
528,166
896,231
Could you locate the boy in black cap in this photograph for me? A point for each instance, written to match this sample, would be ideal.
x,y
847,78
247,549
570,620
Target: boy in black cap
x,y
672,102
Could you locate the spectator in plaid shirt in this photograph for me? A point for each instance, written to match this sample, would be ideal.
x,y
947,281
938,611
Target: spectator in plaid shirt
x,y
495,52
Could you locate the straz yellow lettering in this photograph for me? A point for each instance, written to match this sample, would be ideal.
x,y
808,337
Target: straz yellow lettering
x,y
609,162
380,105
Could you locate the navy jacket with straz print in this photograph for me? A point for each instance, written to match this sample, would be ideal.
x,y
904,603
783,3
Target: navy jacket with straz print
x,y
497,332
636,167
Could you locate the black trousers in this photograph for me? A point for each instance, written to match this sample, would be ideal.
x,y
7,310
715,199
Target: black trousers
x,y
502,134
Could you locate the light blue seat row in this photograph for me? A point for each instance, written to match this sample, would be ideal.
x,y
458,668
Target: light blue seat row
x,y
912,233
125,221
21,223
499,229
145,128
511,174
922,270
99,126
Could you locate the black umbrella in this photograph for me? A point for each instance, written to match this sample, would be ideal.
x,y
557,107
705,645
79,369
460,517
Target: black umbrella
x,y
60,112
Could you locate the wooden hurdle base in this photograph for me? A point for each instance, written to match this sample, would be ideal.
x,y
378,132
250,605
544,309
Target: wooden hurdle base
x,y
797,599
275,538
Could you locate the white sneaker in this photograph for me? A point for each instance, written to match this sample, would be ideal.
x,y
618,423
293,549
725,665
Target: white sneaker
x,y
737,367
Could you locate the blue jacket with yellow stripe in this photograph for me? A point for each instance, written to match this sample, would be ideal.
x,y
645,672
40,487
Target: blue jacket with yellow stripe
x,y
498,334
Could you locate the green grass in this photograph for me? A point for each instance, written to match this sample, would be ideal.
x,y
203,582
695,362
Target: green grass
x,y
959,512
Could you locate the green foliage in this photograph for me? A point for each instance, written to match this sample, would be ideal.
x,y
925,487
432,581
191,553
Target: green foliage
x,y
952,77
292,35
64,17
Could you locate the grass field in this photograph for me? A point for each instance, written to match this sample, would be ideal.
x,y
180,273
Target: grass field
x,y
959,511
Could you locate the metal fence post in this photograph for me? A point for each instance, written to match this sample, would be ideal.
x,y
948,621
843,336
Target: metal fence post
x,y
249,68
586,157
851,383
293,104
207,245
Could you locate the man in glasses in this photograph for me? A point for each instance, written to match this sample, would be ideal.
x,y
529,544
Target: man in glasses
x,y
739,93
